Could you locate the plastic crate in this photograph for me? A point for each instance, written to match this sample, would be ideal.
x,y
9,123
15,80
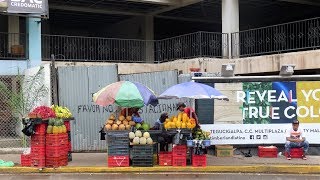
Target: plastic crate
x,y
179,160
199,160
118,150
38,140
142,161
38,151
69,146
25,160
56,151
142,150
295,152
118,161
56,161
67,124
57,139
39,162
165,158
118,140
40,129
179,150
267,152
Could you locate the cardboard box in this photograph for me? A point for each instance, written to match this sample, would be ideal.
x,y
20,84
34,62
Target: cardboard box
x,y
224,151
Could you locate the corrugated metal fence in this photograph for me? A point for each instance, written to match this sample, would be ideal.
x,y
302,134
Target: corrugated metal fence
x,y
76,86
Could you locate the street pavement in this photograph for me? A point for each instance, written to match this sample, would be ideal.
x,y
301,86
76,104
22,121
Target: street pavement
x,y
166,176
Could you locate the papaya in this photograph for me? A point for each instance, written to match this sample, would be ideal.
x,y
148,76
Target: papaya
x,y
180,116
64,129
185,117
49,129
55,130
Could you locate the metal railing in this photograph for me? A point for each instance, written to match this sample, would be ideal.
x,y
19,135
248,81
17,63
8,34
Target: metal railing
x,y
200,44
94,48
13,46
293,36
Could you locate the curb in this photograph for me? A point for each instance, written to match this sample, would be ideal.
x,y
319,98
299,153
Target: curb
x,y
296,169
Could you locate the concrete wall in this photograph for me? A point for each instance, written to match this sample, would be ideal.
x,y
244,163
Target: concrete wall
x,y
259,64
127,29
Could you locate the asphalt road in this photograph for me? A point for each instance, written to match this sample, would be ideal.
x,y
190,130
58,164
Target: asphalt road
x,y
166,176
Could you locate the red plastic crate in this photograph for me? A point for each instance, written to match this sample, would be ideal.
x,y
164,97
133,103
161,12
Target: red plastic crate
x,y
25,160
118,161
295,152
38,151
56,139
39,162
165,158
56,151
199,160
267,152
179,160
67,124
38,140
69,146
40,129
179,150
56,161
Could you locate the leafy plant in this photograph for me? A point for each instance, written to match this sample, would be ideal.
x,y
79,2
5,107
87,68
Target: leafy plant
x,y
31,91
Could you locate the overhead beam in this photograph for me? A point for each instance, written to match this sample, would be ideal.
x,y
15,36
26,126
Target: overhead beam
x,y
159,2
181,4
307,2
189,19
94,10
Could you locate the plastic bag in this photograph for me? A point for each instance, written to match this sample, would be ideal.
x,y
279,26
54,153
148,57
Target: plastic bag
x,y
28,130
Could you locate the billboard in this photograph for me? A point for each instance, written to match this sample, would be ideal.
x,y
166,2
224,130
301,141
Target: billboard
x,y
34,7
261,112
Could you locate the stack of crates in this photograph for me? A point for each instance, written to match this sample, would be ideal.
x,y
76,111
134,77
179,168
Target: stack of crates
x,y
142,156
199,160
56,150
118,148
179,155
165,158
68,126
38,146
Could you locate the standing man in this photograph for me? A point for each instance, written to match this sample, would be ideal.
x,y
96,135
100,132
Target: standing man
x,y
296,139
182,107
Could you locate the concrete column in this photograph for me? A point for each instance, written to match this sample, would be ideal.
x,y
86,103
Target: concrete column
x,y
34,41
13,32
149,36
230,24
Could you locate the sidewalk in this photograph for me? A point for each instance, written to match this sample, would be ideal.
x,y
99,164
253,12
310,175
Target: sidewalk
x,y
97,163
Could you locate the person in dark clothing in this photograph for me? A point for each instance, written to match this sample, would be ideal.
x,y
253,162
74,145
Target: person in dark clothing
x,y
163,139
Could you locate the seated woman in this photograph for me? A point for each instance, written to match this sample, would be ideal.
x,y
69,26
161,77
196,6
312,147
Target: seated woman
x,y
163,139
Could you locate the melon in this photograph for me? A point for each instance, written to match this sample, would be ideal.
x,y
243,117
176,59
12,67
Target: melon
x,y
132,123
138,134
122,127
131,135
114,127
118,122
112,117
143,140
149,141
129,118
110,122
49,129
108,127
121,118
128,127
138,125
146,135
145,126
136,140
125,122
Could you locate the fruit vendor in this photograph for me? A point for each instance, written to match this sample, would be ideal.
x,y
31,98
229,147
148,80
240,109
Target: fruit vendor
x,y
182,107
130,112
163,139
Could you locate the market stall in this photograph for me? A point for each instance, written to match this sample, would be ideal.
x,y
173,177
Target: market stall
x,y
49,129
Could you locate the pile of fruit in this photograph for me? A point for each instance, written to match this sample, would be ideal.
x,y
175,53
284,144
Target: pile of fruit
x,y
139,138
61,112
122,123
201,135
56,126
181,121
143,126
43,112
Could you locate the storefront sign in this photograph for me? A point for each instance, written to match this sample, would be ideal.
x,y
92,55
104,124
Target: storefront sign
x,y
257,133
262,111
34,7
